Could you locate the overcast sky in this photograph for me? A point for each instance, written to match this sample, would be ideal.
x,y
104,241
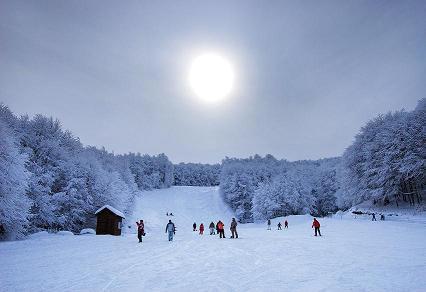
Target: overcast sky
x,y
309,74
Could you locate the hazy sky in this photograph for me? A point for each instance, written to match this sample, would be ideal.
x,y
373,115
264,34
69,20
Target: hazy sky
x,y
309,74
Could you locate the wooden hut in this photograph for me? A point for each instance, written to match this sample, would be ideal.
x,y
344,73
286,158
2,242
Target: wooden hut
x,y
108,220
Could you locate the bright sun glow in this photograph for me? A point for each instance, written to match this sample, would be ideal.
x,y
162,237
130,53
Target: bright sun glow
x,y
211,77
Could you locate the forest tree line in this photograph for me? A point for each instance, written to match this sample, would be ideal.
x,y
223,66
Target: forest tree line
x,y
385,163
49,180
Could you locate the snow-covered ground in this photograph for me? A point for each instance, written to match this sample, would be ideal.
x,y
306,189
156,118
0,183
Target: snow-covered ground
x,y
353,255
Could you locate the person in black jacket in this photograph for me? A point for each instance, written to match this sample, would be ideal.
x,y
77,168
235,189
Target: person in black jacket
x,y
233,228
141,230
211,227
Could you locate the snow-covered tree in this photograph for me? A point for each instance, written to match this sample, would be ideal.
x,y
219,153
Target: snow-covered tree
x,y
14,204
387,151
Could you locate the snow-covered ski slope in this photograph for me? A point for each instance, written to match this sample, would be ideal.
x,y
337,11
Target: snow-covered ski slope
x,y
353,254
188,205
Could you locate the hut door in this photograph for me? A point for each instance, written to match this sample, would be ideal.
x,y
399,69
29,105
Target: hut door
x,y
110,224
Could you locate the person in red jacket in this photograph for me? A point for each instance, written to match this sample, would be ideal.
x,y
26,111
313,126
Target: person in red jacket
x,y
316,225
201,228
141,229
221,229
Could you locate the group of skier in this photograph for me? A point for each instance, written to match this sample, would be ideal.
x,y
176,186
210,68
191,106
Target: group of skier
x,y
170,229
219,227
279,225
373,218
285,225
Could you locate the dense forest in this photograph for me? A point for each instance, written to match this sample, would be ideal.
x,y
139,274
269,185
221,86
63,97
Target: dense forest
x,y
196,174
49,180
259,188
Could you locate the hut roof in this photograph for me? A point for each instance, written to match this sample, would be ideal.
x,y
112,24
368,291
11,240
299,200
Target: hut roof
x,y
112,209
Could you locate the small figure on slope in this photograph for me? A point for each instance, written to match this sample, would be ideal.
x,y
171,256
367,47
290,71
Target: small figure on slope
x,y
279,226
285,224
211,227
316,225
201,229
382,217
170,229
141,229
194,227
167,214
374,217
221,229
269,224
233,228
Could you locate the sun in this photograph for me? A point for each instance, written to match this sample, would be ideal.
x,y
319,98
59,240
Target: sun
x,y
211,77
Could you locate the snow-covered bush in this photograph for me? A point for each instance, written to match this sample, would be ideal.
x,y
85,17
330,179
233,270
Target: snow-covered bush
x,y
64,233
87,231
39,234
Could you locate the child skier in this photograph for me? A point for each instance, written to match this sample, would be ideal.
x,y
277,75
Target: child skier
x,y
285,224
194,227
141,230
279,226
316,225
211,227
201,229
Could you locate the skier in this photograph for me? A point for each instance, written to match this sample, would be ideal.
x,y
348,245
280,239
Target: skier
x,y
221,229
211,227
285,224
194,227
279,226
316,225
201,229
233,228
382,217
141,230
171,214
374,217
170,229
269,224
167,214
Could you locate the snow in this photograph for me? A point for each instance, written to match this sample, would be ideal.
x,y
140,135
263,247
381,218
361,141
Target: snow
x,y
112,209
352,255
87,231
